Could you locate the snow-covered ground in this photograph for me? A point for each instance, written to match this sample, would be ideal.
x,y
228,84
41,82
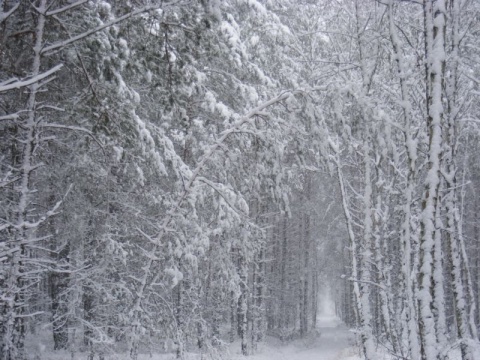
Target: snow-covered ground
x,y
334,342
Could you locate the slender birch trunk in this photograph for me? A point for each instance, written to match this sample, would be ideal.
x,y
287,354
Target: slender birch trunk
x,y
438,277
361,296
459,261
366,276
469,282
409,313
243,304
435,24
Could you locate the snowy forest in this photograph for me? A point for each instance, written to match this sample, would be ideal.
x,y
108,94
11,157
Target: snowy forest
x,y
183,177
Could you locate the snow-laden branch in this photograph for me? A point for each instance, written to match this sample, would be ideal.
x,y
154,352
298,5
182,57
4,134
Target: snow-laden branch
x,y
85,34
144,282
8,182
74,128
16,84
369,282
13,116
53,211
65,8
5,15
32,225
217,188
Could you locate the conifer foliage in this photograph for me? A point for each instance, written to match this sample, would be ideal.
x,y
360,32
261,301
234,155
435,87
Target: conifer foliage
x,y
179,174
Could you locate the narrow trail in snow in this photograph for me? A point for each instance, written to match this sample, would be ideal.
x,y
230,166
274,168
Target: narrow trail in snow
x,y
335,342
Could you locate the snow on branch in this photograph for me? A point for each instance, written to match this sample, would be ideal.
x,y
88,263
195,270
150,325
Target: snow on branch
x,y
5,15
61,44
74,128
227,197
234,128
53,211
65,8
13,116
16,84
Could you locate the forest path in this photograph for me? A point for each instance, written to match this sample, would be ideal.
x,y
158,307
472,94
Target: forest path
x,y
335,342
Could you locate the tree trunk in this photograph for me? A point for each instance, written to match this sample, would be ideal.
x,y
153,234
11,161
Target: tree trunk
x,y
13,319
242,312
434,22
